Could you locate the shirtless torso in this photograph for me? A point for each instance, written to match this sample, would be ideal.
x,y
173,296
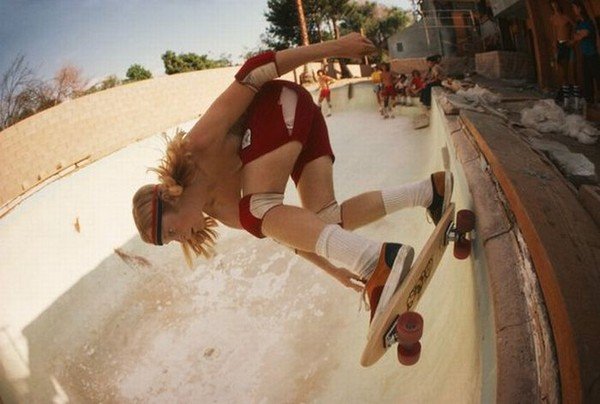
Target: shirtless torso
x,y
562,25
222,168
387,79
562,28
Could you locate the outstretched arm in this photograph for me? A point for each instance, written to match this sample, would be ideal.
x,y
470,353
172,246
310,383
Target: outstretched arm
x,y
232,103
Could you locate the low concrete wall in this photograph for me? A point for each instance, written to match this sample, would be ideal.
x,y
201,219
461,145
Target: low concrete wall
x,y
455,66
93,126
86,129
505,65
77,132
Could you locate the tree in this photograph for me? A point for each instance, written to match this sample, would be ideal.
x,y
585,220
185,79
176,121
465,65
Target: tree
x,y
137,72
69,83
378,22
110,82
187,62
21,93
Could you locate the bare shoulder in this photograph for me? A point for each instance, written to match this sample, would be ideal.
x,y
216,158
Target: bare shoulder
x,y
226,213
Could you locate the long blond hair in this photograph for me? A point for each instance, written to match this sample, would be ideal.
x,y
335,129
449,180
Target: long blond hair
x,y
176,171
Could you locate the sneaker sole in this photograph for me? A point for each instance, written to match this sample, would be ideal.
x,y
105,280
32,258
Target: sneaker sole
x,y
449,184
399,271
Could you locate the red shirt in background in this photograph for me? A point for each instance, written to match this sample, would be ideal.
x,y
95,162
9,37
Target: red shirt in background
x,y
416,83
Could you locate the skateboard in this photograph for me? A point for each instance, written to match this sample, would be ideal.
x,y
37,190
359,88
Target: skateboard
x,y
398,323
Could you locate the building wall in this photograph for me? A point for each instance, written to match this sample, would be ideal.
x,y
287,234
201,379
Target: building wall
x,y
417,42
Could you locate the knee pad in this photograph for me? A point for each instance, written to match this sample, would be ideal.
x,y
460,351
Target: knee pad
x,y
254,207
331,214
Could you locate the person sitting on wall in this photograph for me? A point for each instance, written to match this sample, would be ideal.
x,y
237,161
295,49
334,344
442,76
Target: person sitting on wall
x,y
415,86
401,87
324,92
433,78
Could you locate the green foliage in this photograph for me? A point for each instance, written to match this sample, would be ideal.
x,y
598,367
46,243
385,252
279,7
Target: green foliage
x,y
325,17
187,62
283,30
110,82
377,22
137,72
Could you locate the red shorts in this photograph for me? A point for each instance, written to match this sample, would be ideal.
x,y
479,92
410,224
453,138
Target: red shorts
x,y
325,93
265,128
388,91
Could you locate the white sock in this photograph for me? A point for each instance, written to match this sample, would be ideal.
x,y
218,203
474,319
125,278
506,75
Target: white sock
x,y
408,195
348,250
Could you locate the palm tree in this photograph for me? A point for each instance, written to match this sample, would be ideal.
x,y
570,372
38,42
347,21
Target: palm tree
x,y
304,33
302,22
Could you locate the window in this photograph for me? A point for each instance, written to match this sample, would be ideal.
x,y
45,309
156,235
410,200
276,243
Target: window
x,y
399,47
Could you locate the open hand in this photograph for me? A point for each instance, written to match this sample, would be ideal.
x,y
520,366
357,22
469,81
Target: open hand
x,y
349,279
355,46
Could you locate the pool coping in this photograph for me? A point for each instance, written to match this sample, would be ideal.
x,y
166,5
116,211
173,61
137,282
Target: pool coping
x,y
544,312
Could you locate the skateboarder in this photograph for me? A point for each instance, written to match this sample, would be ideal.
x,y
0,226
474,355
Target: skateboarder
x,y
213,174
324,91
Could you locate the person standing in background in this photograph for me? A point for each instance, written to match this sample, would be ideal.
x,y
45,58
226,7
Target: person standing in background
x,y
585,36
562,28
388,92
376,80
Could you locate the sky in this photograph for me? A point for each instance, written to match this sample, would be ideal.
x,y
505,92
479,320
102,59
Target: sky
x,y
104,37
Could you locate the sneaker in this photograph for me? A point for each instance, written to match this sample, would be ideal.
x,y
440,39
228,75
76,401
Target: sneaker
x,y
442,183
392,267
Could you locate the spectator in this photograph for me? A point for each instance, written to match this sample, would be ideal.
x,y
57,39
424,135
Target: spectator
x,y
562,27
376,80
585,36
401,87
388,93
415,87
434,78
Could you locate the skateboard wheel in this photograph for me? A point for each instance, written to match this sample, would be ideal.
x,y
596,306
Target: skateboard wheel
x,y
409,328
465,221
409,355
462,248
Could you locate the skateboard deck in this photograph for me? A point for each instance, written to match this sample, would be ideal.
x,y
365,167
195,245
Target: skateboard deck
x,y
383,330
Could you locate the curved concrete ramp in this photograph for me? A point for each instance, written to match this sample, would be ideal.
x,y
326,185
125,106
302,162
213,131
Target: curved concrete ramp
x,y
89,313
